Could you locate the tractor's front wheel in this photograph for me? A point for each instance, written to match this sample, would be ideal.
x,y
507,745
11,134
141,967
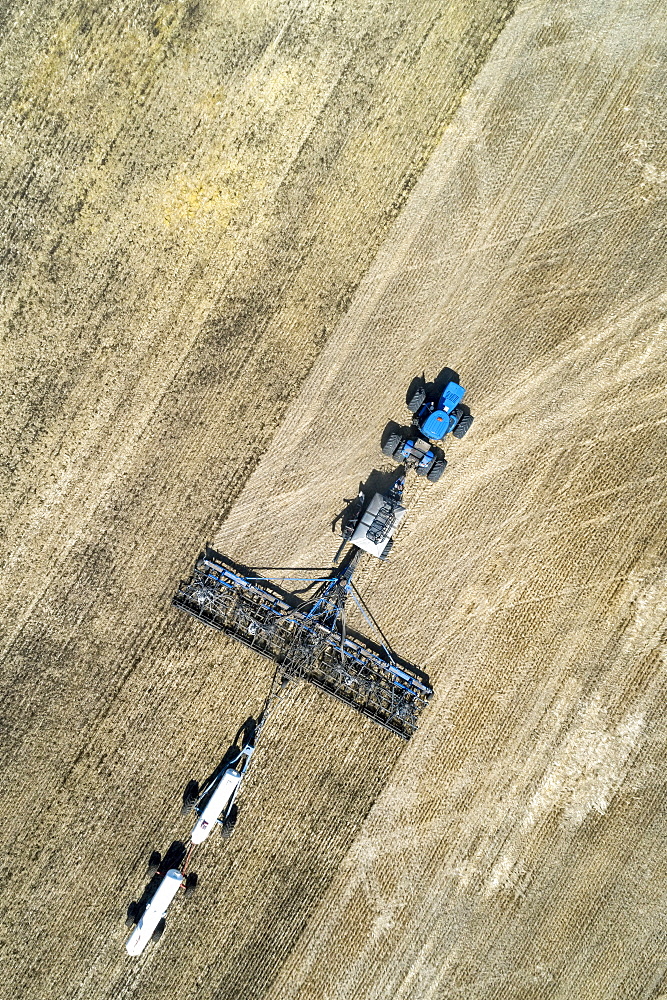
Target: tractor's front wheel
x,y
391,444
436,470
416,398
463,426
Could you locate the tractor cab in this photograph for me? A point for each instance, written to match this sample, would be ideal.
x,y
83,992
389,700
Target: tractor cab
x,y
435,419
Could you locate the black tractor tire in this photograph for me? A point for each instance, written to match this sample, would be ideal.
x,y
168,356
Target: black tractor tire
x,y
190,883
154,862
391,444
463,426
436,470
159,930
229,822
190,796
132,914
416,398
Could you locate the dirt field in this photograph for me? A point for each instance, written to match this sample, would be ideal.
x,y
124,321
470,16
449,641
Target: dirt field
x,y
221,277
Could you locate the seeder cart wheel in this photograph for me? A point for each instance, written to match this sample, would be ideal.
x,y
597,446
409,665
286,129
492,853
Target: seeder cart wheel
x,y
387,549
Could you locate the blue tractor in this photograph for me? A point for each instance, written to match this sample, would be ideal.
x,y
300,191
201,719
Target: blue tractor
x,y
434,416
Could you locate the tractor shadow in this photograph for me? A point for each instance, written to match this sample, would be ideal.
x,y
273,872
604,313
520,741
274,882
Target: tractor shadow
x,y
158,867
435,387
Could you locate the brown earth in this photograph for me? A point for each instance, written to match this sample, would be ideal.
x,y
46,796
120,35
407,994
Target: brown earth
x,y
195,196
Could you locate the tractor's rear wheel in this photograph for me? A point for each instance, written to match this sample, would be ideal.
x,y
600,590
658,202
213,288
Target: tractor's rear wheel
x,y
463,426
391,444
159,930
436,470
416,398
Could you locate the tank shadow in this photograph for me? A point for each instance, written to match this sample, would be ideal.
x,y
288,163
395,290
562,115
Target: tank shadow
x,y
173,858
245,734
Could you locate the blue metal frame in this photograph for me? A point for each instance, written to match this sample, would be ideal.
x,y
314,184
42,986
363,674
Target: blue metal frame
x,y
308,637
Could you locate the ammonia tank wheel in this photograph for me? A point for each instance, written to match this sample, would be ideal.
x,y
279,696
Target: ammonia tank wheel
x,y
190,796
131,918
416,398
436,470
463,426
159,930
227,828
190,883
391,444
154,862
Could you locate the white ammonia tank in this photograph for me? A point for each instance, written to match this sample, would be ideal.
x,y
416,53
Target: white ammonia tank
x,y
154,912
216,805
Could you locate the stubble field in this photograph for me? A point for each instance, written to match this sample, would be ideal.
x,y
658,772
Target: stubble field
x,y
234,236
